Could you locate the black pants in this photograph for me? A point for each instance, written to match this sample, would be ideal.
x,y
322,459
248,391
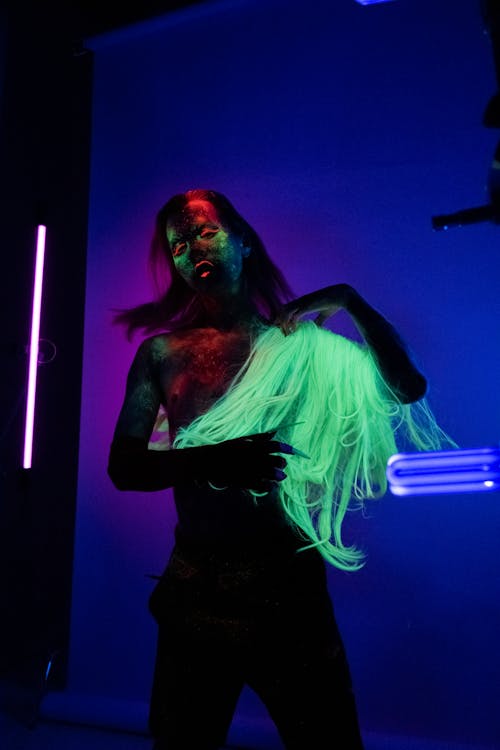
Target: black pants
x,y
267,623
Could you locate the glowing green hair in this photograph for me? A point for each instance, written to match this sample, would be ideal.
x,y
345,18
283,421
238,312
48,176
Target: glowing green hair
x,y
325,396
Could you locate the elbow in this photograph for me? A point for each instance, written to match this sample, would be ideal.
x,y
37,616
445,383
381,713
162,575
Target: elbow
x,y
120,469
117,477
414,390
120,485
136,471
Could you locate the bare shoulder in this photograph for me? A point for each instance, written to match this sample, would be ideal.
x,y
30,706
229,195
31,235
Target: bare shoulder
x,y
154,351
162,354
164,345
176,345
155,347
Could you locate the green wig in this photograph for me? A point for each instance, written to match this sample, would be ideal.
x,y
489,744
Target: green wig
x,y
324,395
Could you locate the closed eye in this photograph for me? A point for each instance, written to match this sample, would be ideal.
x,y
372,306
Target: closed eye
x,y
208,232
178,249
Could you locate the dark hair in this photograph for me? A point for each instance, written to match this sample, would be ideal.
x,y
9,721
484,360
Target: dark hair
x,y
177,305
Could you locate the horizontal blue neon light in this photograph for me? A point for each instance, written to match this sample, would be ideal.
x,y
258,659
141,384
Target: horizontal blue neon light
x,y
436,472
372,2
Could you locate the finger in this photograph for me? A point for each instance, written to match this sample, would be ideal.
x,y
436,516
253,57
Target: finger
x,y
256,437
320,319
262,488
284,314
278,462
286,448
270,468
274,475
290,450
296,452
278,447
260,436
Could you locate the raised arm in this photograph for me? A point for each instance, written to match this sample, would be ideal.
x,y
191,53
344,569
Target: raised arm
x,y
393,359
248,462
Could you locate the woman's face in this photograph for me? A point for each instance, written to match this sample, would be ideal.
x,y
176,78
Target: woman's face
x,y
206,253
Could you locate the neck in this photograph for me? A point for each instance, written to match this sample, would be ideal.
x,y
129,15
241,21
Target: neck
x,y
230,312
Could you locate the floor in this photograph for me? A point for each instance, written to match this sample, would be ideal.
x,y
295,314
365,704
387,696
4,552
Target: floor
x,y
22,729
54,736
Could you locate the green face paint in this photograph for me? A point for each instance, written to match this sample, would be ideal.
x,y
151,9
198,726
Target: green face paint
x,y
207,255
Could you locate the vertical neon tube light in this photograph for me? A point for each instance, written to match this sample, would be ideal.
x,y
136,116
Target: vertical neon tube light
x,y
34,344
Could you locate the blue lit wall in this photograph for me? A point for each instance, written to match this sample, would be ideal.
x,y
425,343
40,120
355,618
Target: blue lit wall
x,y
337,132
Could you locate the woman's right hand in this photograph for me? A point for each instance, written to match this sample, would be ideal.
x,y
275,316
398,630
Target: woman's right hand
x,y
249,462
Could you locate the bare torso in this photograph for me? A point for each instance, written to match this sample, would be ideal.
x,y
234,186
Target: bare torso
x,y
196,369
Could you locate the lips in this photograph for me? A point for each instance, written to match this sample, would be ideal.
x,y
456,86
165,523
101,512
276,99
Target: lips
x,y
203,269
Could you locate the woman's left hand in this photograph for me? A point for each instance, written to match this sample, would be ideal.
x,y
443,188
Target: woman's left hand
x,y
326,302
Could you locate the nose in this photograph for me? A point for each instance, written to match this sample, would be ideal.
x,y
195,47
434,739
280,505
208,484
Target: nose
x,y
197,250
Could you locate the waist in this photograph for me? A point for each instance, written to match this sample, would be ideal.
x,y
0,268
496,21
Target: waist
x,y
230,520
270,542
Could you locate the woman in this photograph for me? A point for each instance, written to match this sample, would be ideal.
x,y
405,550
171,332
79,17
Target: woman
x,y
274,426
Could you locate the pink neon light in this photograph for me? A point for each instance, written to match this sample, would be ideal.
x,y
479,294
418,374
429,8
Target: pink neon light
x,y
34,343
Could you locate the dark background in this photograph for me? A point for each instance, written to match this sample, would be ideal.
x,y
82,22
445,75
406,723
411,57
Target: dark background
x,y
46,78
46,90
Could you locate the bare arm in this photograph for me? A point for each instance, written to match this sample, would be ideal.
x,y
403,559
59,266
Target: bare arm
x,y
392,356
131,465
143,393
